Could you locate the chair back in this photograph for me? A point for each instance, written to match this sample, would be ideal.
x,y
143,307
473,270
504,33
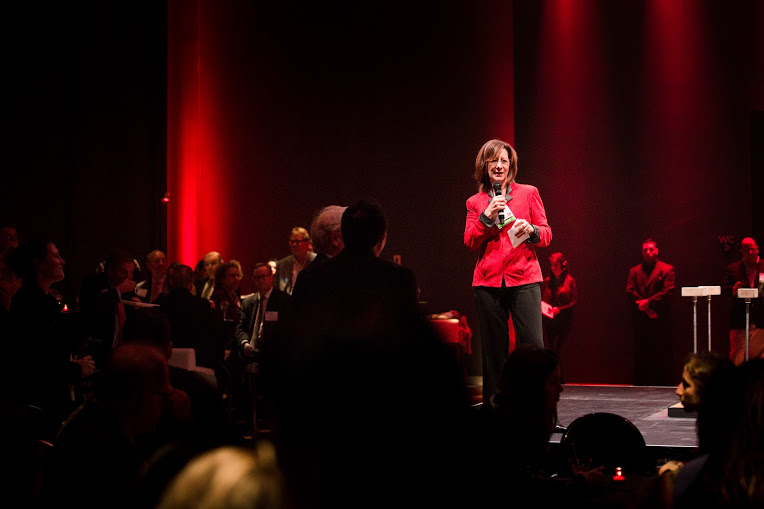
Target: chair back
x,y
609,440
183,358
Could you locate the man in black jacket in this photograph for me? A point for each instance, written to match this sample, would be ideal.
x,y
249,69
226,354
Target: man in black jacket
x,y
746,273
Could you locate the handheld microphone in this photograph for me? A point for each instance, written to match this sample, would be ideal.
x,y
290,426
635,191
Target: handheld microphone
x,y
496,192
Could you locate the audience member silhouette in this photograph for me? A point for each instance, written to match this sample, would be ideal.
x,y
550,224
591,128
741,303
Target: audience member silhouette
x,y
729,473
101,449
193,323
207,410
226,294
228,478
698,370
42,344
357,282
370,408
102,311
150,288
522,414
519,420
200,277
367,418
326,232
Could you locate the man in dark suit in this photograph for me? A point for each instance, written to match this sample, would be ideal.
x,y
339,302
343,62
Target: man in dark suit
x,y
649,286
263,315
100,304
288,267
356,345
356,287
211,261
193,322
746,273
149,289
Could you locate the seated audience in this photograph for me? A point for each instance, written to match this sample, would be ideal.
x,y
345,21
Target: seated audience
x,y
206,421
42,340
193,323
211,261
99,453
102,311
200,277
729,473
519,420
150,288
263,315
290,266
226,294
698,370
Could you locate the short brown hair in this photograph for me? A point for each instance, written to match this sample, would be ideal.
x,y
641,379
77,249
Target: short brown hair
x,y
488,151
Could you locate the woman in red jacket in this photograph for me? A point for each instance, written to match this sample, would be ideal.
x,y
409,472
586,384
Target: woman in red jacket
x,y
507,277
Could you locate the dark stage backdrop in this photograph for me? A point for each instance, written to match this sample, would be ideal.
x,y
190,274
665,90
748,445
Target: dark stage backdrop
x,y
84,116
632,118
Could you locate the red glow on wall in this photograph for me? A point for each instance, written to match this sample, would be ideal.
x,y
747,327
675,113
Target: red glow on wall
x,y
182,131
572,93
681,94
194,164
674,61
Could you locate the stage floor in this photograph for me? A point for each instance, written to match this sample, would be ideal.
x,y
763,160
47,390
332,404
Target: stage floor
x,y
645,407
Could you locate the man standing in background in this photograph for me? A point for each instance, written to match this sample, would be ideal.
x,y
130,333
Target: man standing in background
x,y
746,273
649,286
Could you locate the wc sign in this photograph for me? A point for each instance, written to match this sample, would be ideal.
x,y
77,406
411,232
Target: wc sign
x,y
727,242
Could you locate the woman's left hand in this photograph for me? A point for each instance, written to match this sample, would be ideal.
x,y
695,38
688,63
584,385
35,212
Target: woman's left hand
x,y
523,227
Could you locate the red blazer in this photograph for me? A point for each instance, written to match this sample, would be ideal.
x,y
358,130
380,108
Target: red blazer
x,y
497,258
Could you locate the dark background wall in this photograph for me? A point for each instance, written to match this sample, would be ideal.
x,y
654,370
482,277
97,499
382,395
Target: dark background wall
x,y
631,118
83,157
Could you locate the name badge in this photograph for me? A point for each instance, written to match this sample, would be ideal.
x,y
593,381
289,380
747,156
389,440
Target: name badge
x,y
271,316
508,217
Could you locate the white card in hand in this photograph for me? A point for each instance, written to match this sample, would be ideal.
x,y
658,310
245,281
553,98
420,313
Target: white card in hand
x,y
546,309
513,238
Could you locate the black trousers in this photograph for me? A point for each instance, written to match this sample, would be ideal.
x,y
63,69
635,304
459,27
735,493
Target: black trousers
x,y
494,306
653,351
556,333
